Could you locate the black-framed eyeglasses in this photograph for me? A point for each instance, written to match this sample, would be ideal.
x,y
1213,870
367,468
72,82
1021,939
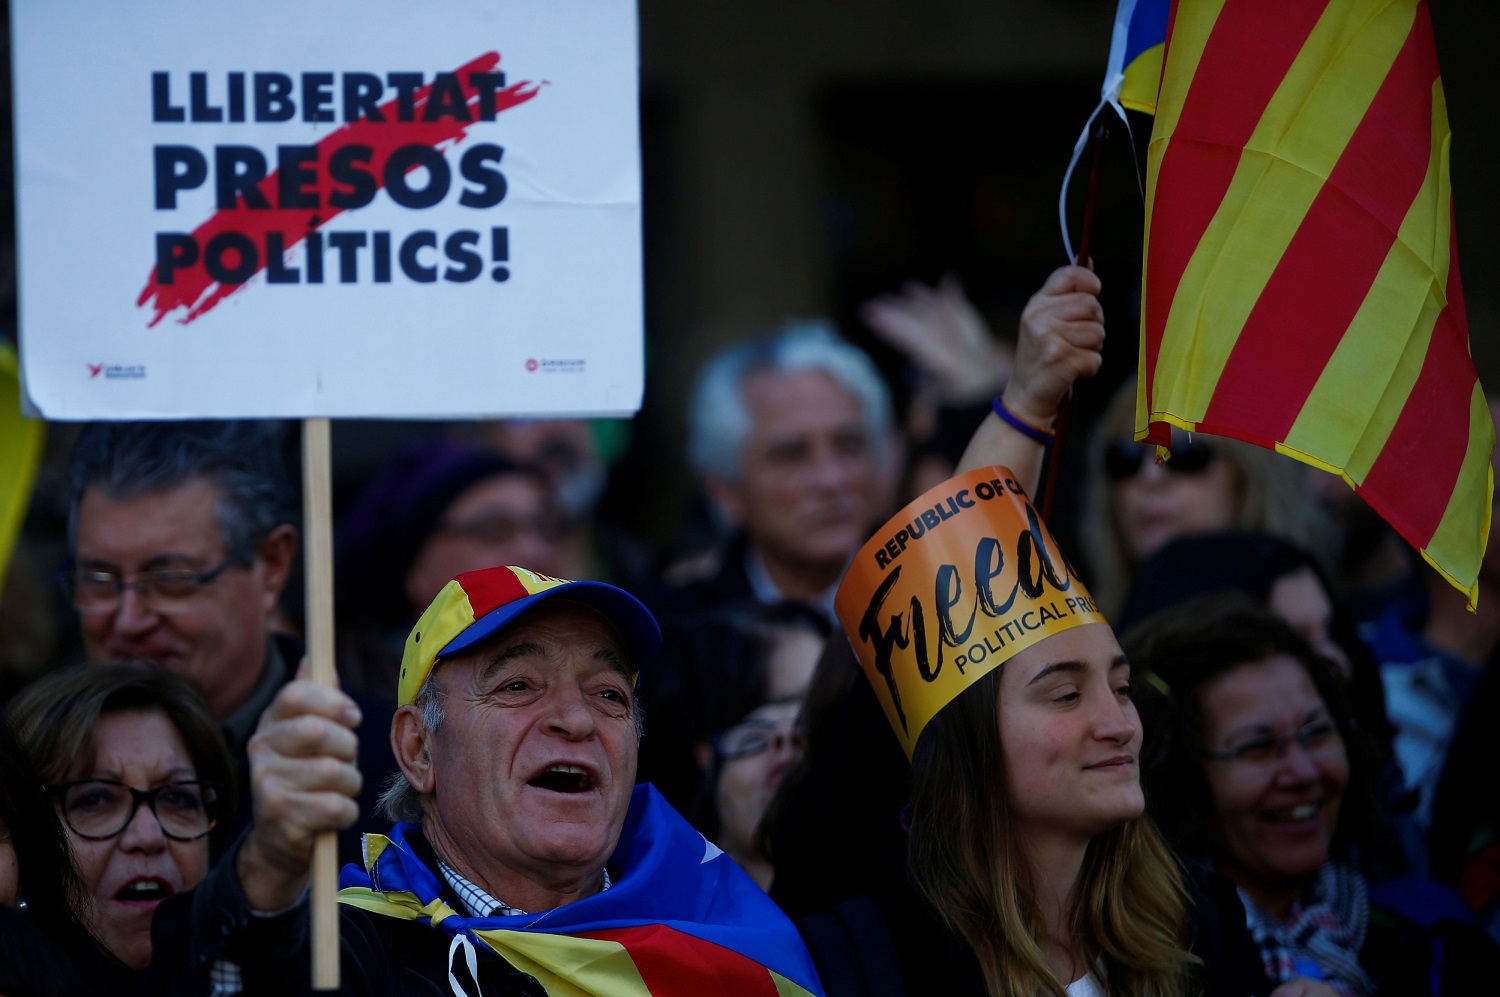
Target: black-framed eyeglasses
x,y
99,809
165,590
1124,459
1264,749
754,737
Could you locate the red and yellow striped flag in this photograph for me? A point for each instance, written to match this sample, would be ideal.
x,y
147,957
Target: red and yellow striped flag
x,y
1301,285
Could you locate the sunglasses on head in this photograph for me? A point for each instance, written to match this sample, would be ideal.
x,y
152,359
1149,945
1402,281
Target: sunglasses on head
x,y
1123,459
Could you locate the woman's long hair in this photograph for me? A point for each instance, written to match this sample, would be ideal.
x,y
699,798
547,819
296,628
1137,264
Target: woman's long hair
x,y
48,883
1131,915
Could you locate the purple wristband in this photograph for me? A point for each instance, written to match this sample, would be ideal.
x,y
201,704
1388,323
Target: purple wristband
x,y
1040,435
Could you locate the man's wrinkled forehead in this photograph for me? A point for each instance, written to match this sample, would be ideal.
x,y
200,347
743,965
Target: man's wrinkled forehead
x,y
553,613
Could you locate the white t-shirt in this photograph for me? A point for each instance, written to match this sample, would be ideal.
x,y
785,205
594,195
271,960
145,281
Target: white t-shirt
x,y
1086,985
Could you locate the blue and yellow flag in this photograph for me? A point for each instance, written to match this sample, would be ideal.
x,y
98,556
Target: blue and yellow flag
x,y
1135,53
1132,79
680,920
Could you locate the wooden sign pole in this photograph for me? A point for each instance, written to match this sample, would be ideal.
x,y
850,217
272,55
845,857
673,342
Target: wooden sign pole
x,y
317,525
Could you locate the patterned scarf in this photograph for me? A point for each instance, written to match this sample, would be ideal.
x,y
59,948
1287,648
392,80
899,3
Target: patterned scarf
x,y
1322,935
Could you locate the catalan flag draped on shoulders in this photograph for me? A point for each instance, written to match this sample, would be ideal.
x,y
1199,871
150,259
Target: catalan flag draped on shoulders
x,y
679,920
1301,287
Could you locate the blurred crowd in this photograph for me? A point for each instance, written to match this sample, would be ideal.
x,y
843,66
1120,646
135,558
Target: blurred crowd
x,y
1310,695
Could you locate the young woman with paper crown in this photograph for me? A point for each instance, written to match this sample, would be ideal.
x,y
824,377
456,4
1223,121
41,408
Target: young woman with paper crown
x,y
1010,695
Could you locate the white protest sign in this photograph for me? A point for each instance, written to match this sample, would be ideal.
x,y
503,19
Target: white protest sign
x,y
267,208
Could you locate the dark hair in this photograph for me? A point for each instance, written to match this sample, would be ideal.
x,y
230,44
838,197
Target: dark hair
x,y
1174,655
1199,563
56,717
245,459
48,882
1460,809
385,525
726,657
851,786
1249,562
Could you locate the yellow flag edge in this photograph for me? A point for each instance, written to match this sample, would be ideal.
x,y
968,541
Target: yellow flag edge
x,y
1470,591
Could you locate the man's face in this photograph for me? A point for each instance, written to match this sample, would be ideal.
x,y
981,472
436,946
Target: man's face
x,y
808,488
534,763
216,639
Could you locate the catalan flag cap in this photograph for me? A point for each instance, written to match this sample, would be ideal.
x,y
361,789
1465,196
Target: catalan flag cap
x,y
477,604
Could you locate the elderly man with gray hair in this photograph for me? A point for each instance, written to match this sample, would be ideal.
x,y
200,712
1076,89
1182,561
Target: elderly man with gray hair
x,y
791,437
525,860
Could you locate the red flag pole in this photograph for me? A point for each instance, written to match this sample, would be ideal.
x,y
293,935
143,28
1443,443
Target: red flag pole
x,y
1060,426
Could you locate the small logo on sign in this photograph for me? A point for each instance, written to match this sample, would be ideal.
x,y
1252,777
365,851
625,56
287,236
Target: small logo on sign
x,y
531,364
562,366
112,371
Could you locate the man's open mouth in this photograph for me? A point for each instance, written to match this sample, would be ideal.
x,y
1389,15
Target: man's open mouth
x,y
564,779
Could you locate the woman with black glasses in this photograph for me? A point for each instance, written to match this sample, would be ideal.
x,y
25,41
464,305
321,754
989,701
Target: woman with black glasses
x,y
1253,762
137,769
44,949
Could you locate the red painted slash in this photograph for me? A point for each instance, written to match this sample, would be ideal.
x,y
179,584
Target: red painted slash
x,y
192,288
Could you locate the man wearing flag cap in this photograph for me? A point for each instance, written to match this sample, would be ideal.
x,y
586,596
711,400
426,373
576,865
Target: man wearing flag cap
x,y
525,860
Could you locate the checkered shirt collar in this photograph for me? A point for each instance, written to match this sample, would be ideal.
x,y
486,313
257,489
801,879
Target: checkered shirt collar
x,y
479,902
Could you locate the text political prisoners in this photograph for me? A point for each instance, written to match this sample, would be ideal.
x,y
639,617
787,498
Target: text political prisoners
x,y
266,203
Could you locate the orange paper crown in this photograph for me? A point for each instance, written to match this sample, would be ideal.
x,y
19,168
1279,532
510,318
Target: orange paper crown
x,y
956,583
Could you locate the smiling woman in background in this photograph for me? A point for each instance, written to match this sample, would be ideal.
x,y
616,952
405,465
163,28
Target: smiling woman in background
x,y
137,769
1253,761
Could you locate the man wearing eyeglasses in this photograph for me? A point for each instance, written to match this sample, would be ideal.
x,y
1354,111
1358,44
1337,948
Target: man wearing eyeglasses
x,y
181,547
182,541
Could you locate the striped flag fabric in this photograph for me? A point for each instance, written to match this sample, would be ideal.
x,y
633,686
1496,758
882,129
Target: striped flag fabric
x,y
1301,286
680,920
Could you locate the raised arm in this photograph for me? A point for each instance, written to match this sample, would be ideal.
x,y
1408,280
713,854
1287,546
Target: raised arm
x,y
1061,339
944,337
